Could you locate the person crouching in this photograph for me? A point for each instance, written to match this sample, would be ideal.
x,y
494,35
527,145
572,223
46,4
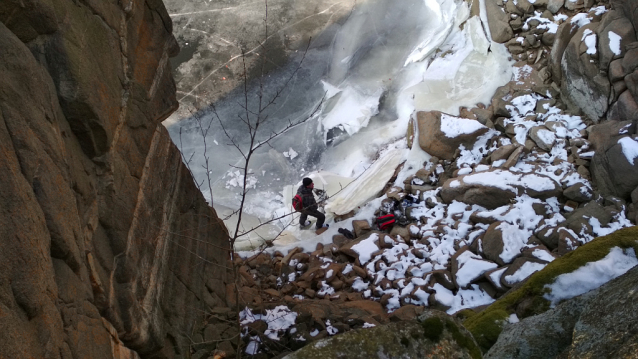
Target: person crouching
x,y
310,207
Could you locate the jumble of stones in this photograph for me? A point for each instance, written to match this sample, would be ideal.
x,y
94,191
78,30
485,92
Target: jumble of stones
x,y
585,49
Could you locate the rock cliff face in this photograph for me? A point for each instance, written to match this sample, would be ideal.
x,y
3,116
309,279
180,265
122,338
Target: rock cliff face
x,y
600,80
105,241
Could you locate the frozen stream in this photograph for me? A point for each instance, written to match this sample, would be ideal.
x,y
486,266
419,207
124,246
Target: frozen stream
x,y
367,75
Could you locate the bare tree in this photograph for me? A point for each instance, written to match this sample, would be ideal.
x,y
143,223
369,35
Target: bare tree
x,y
254,117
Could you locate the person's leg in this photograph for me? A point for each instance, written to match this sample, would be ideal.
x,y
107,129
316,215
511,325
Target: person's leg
x,y
303,218
320,217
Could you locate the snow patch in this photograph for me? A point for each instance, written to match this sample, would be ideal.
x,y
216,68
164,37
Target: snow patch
x,y
591,276
629,148
453,126
614,43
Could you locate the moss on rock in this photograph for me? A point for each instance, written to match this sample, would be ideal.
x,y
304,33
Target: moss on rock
x,y
435,334
464,340
432,328
487,325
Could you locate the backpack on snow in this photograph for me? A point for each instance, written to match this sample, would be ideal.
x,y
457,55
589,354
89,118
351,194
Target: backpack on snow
x,y
385,222
297,203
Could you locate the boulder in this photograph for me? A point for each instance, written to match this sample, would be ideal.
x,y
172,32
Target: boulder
x,y
401,231
467,267
580,218
502,153
512,160
631,81
574,4
493,243
543,137
520,270
606,134
555,5
547,335
441,134
442,277
615,27
539,252
372,245
361,227
608,311
583,86
498,21
563,36
495,188
483,115
615,169
578,192
494,277
630,60
503,242
625,108
525,6
568,241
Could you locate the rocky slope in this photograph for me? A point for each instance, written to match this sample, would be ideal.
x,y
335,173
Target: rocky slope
x,y
108,249
545,168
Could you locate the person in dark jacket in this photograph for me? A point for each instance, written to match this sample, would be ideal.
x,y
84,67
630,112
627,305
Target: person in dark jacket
x,y
309,205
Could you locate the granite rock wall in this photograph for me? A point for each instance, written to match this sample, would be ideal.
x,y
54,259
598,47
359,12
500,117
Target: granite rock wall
x,y
107,247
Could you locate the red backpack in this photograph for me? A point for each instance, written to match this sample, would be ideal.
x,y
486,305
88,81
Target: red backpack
x,y
385,222
297,202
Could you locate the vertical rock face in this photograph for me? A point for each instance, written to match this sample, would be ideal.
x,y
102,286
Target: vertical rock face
x,y
106,245
596,64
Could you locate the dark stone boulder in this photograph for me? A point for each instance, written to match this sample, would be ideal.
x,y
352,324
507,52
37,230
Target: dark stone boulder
x,y
545,335
583,86
625,108
563,36
612,169
578,192
498,20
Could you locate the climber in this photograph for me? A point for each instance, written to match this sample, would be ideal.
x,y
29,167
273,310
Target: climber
x,y
309,205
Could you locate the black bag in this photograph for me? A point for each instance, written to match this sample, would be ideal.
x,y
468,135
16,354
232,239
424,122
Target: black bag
x,y
346,233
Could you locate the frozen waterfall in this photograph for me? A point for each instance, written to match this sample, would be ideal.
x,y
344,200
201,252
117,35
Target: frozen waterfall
x,y
367,75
